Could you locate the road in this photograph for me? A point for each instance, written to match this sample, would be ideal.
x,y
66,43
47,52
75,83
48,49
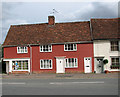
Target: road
x,y
60,86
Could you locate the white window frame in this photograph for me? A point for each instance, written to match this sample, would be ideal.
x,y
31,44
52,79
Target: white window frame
x,y
115,60
20,50
73,47
71,64
115,46
41,49
49,64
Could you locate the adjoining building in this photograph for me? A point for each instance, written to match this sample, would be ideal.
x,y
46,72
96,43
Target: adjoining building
x,y
106,40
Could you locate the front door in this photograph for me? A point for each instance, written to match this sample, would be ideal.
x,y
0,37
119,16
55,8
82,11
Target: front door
x,y
99,65
87,65
60,66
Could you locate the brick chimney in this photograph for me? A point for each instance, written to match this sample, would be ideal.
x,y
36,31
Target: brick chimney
x,y
51,20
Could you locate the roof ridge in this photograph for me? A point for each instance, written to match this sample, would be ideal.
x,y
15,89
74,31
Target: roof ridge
x,y
104,18
55,23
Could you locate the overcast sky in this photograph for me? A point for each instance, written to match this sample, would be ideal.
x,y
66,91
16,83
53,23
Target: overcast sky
x,y
15,13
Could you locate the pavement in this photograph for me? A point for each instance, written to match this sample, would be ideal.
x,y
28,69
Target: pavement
x,y
63,76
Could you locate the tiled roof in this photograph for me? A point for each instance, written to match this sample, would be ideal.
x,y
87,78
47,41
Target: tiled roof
x,y
63,32
45,34
105,28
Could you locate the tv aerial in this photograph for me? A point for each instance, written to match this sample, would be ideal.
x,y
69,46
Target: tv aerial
x,y
54,11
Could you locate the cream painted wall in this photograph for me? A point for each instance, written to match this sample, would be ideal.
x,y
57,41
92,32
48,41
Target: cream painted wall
x,y
102,49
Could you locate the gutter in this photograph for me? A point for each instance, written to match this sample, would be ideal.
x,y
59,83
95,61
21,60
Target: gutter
x,y
48,44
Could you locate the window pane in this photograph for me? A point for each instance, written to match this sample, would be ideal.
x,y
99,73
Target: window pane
x,y
66,63
71,62
71,46
18,49
16,65
13,65
46,47
25,65
50,64
25,49
19,65
41,63
43,47
75,61
74,46
65,46
49,49
46,64
114,46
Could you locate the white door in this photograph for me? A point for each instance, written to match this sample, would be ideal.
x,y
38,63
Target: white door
x,y
87,65
60,67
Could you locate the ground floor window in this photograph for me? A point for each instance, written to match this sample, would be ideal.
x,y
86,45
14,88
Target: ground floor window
x,y
46,64
20,65
115,63
71,62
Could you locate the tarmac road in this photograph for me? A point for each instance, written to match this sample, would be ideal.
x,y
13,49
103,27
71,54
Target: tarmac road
x,y
60,86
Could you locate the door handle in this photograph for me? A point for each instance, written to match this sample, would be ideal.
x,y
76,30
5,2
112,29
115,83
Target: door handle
x,y
87,66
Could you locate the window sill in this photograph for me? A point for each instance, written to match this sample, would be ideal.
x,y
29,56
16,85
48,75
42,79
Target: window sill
x,y
22,53
71,67
46,52
46,68
20,70
114,51
70,50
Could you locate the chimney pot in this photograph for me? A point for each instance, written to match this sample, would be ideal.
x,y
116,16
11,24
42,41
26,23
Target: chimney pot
x,y
51,20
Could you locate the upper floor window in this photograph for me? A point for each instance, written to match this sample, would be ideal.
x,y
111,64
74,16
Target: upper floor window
x,y
70,47
114,46
71,62
46,48
22,49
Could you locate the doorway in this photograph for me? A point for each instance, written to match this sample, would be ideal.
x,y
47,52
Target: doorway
x,y
87,65
99,65
60,65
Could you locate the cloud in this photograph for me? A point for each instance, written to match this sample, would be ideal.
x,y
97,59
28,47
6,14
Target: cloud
x,y
68,12
9,18
119,9
91,10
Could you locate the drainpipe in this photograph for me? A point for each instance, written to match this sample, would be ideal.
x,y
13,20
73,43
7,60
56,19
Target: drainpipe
x,y
30,59
91,32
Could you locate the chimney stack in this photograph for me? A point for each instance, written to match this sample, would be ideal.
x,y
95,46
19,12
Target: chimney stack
x,y
51,20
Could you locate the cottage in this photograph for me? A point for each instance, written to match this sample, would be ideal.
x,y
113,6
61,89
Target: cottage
x,y
106,40
49,48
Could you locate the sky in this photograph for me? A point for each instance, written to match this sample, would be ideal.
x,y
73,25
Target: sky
x,y
16,13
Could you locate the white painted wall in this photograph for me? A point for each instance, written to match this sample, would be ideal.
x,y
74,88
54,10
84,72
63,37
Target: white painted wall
x,y
7,67
102,48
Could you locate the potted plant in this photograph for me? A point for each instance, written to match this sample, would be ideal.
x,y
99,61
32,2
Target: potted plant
x,y
105,61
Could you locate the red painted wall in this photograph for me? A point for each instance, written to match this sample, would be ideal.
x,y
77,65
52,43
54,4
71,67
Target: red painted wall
x,y
11,52
83,50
